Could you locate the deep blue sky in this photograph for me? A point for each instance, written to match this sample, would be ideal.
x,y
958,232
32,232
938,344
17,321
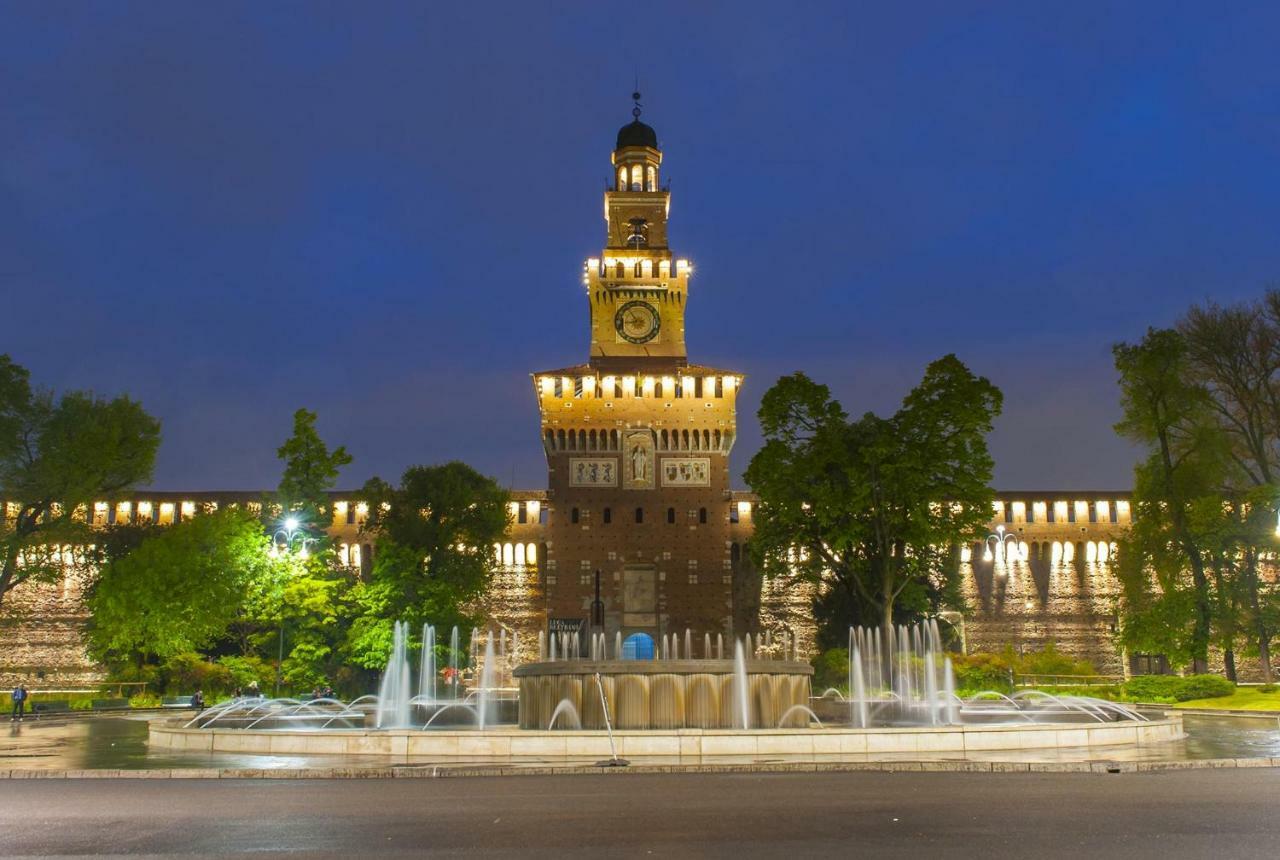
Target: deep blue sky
x,y
380,211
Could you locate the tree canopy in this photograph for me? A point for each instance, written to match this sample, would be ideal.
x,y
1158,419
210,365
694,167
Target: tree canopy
x,y
58,455
1203,401
434,551
874,509
310,471
184,588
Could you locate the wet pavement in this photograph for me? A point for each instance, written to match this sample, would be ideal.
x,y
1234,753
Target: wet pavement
x,y
1026,816
119,742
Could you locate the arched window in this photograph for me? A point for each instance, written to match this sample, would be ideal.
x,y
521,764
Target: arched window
x,y
665,441
497,553
651,178
622,178
519,555
715,438
620,270
508,555
530,555
671,516
637,177
646,268
355,555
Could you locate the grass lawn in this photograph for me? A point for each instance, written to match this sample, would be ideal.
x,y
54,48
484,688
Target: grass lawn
x,y
1243,699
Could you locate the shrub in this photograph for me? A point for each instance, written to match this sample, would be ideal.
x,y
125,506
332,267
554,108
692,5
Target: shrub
x,y
977,672
1167,689
1049,661
831,669
182,674
247,670
144,700
1268,688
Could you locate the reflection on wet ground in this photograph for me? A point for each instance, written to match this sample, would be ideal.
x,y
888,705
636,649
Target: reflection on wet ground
x,y
120,743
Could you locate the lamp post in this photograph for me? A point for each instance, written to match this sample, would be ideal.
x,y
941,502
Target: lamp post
x,y
289,537
1002,546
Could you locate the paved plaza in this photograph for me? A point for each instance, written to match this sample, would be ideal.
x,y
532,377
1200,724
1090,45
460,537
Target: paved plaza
x,y
1197,813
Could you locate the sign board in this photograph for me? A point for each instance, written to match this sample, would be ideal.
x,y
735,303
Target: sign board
x,y
566,625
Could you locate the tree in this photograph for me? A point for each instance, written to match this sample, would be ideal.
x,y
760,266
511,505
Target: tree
x,y
183,589
1169,413
58,456
1234,353
311,607
874,508
310,470
433,555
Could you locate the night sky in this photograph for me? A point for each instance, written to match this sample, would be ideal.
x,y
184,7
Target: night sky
x,y
380,211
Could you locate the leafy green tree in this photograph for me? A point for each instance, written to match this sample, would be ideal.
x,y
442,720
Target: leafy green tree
x,y
874,508
311,612
58,456
434,552
1169,413
183,589
310,471
1234,353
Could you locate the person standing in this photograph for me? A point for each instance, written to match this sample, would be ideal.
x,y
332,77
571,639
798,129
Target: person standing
x,y
19,701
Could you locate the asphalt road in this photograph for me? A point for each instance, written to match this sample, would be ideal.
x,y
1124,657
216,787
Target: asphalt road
x,y
1200,813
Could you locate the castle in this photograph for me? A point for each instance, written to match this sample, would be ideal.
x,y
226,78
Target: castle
x,y
639,530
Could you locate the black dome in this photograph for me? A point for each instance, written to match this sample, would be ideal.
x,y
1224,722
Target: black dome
x,y
636,133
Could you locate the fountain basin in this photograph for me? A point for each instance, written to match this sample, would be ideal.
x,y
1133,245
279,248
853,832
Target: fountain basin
x,y
665,694
691,744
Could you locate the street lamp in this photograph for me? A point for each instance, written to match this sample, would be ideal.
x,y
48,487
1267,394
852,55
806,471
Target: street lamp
x,y
288,538
1002,546
291,536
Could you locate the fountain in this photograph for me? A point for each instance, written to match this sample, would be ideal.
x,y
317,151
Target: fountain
x,y
674,690
658,698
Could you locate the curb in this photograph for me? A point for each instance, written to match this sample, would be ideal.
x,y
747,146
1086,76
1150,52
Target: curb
x,y
454,771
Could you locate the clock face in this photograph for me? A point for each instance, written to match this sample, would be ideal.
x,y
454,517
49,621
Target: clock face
x,y
637,322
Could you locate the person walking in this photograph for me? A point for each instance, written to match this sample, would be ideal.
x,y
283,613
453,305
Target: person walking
x,y
19,702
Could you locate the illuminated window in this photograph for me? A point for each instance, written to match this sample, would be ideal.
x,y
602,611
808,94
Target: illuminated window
x,y
355,555
637,177
622,178
519,555
530,555
651,178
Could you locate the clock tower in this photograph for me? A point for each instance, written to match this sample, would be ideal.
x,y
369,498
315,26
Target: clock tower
x,y
637,439
636,290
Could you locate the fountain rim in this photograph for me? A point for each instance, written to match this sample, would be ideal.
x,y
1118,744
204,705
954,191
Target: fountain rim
x,y
660,667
